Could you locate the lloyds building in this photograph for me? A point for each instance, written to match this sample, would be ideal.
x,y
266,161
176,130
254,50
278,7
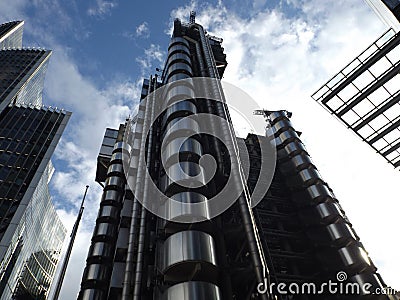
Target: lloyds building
x,y
157,234
31,233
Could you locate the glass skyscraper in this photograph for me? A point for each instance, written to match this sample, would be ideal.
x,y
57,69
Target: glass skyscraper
x,y
31,233
11,34
160,232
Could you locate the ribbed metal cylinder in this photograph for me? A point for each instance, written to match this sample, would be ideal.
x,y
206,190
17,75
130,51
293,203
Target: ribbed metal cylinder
x,y
321,214
352,259
326,224
181,149
185,255
180,127
176,77
178,57
295,164
179,93
188,207
179,109
189,255
98,270
181,176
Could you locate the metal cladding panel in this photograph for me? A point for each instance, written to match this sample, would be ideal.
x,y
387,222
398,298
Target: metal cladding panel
x,y
179,92
114,181
11,34
105,153
333,234
313,194
186,207
304,178
119,156
96,272
178,76
351,259
102,249
296,163
189,147
286,136
105,229
122,146
323,213
178,57
185,174
178,40
180,67
92,294
193,290
180,127
186,253
291,149
365,96
181,108
109,211
116,169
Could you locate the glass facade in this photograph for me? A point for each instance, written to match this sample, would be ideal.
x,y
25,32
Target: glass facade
x,y
22,75
11,34
105,153
32,255
26,135
31,233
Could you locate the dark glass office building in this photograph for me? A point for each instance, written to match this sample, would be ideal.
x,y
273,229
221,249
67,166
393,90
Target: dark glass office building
x,y
157,235
11,34
31,233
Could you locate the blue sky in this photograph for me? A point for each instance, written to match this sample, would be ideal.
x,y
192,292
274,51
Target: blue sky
x,y
279,52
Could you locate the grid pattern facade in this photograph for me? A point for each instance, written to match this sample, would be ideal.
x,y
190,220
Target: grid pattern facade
x,y
11,35
33,255
22,75
26,134
365,96
31,233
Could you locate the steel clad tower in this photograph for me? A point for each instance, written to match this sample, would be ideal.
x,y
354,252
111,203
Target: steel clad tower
x,y
160,233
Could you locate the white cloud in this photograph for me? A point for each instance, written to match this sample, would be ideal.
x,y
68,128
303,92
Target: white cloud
x,y
153,57
143,30
93,110
280,61
101,8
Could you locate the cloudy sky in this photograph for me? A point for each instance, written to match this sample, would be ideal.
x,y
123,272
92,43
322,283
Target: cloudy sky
x,y
278,51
